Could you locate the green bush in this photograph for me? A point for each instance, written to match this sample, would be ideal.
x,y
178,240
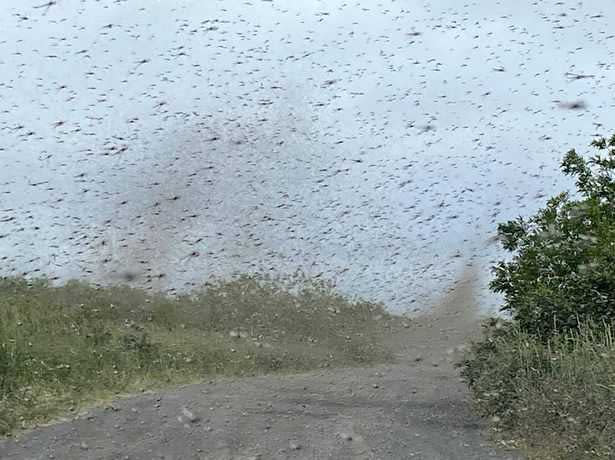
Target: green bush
x,y
491,374
546,377
556,399
563,269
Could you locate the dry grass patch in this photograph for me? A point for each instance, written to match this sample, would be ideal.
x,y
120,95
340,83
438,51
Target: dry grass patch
x,y
68,346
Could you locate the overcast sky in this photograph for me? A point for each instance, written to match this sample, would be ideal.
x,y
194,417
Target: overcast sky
x,y
376,144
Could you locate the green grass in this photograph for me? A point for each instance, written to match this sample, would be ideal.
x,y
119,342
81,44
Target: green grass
x,y
556,398
62,348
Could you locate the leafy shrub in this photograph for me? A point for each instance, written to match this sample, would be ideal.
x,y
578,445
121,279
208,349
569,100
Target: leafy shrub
x,y
556,397
563,270
490,373
547,376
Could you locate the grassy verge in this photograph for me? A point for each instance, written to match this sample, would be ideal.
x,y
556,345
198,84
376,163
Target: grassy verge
x,y
70,346
556,400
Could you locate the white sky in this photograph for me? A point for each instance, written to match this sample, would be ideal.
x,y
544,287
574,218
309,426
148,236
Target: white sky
x,y
290,135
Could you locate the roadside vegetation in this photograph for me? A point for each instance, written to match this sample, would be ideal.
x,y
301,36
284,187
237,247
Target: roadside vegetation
x,y
64,347
546,375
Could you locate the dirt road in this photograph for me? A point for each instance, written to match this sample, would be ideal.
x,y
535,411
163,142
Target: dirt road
x,y
416,408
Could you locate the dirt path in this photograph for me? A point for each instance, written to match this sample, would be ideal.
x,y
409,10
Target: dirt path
x,y
415,409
